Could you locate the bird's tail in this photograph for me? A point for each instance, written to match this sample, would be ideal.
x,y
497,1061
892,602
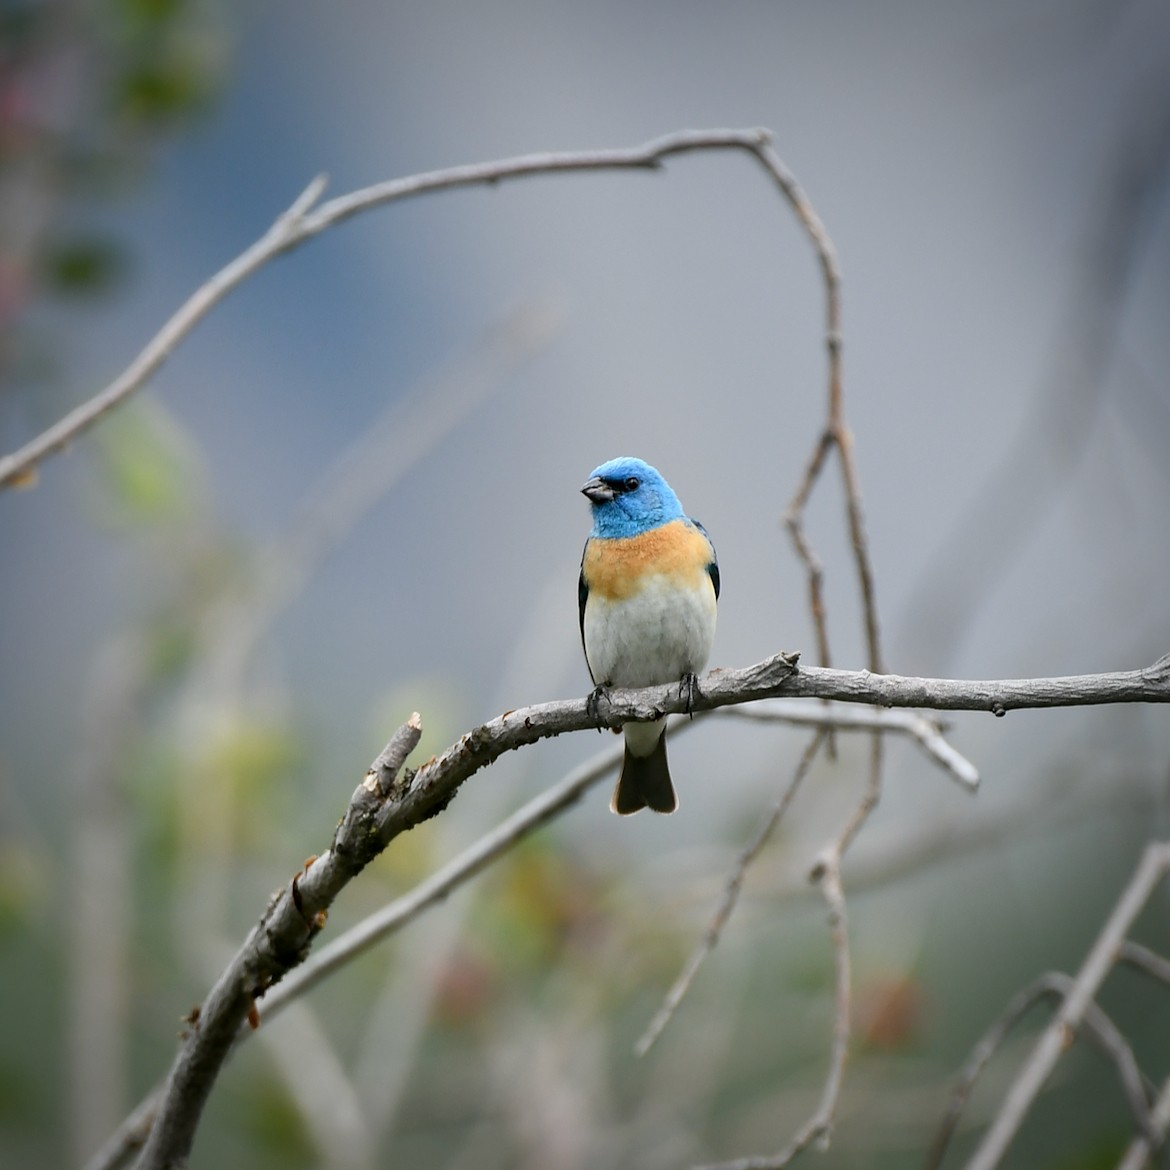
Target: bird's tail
x,y
645,779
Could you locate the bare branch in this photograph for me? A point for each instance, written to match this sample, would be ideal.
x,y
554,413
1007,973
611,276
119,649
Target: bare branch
x,y
819,1126
1148,685
300,223
1146,960
404,910
925,732
827,873
1031,1078
794,522
385,768
1146,1145
130,1136
1099,1028
388,921
285,932
835,436
276,944
727,903
19,467
385,805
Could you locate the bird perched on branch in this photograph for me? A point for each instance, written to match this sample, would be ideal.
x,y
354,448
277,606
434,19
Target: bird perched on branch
x,y
647,593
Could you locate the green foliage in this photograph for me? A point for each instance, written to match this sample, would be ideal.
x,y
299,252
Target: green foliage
x,y
252,757
149,469
84,266
154,94
24,886
541,904
271,1122
87,96
1100,1153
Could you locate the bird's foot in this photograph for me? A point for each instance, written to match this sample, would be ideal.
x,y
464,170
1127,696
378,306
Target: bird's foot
x,y
688,688
593,704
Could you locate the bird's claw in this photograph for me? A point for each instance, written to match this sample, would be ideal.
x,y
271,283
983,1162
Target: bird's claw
x,y
593,704
688,689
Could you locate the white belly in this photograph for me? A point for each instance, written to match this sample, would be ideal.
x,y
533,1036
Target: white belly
x,y
656,636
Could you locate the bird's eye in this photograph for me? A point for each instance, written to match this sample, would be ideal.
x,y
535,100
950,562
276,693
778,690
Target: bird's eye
x,y
631,484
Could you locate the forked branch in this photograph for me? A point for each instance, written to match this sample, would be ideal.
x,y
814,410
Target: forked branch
x,y
385,805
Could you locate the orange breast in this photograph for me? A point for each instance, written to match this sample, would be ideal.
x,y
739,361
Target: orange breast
x,y
616,569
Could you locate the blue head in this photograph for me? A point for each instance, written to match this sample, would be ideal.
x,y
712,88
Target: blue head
x,y
629,497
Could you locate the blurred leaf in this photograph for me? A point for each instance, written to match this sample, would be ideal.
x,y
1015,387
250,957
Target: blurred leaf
x,y
467,987
537,903
19,23
172,641
890,1011
151,11
149,776
1101,1154
149,467
158,93
23,886
255,755
272,1120
84,267
412,858
17,1096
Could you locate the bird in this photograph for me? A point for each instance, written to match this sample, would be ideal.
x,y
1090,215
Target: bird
x,y
647,597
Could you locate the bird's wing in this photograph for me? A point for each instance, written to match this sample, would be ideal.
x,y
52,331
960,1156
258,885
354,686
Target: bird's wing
x,y
582,598
712,567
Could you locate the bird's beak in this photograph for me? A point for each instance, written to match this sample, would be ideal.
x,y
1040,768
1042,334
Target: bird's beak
x,y
598,491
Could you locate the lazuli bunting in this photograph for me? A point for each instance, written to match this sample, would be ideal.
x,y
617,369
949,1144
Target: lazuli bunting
x,y
647,593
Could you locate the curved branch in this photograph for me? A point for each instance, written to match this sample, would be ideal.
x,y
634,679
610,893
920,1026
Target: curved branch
x,y
382,807
1099,1028
1074,1009
1148,685
731,891
300,223
927,733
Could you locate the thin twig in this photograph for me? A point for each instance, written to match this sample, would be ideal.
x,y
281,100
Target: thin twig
x,y
277,943
234,622
388,763
1098,1027
925,732
868,802
827,874
814,567
1145,1145
285,932
99,997
387,921
1036,1070
835,436
301,222
819,1126
460,869
1150,684
730,896
19,467
1145,960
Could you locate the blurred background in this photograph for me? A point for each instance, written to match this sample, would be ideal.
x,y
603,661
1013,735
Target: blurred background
x,y
353,492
